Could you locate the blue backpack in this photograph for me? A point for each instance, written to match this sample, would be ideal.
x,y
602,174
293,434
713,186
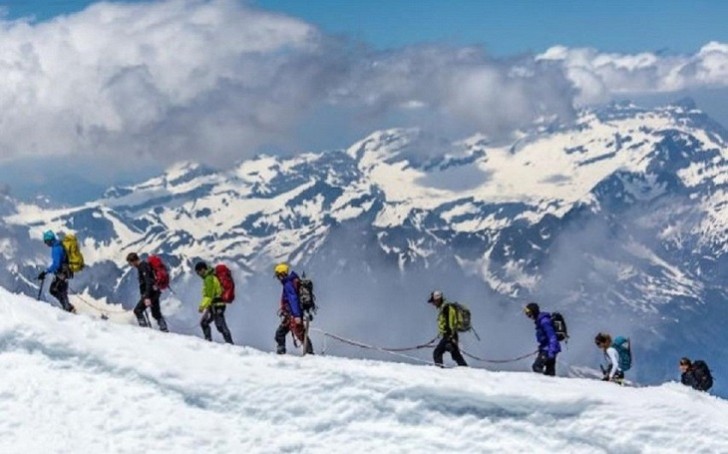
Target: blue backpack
x,y
624,350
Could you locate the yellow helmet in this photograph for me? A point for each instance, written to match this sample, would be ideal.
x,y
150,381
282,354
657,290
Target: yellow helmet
x,y
281,269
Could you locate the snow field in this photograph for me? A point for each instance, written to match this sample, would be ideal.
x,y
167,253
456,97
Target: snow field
x,y
76,384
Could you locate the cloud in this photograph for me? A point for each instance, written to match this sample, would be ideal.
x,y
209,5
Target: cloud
x,y
217,80
599,76
213,80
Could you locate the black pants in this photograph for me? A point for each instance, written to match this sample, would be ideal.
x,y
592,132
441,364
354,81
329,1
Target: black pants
x,y
59,289
156,312
215,313
449,345
544,364
287,325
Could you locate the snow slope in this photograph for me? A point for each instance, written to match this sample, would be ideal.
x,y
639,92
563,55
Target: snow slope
x,y
75,384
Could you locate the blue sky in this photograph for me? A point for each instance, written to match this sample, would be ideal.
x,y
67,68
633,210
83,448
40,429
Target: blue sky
x,y
508,27
503,27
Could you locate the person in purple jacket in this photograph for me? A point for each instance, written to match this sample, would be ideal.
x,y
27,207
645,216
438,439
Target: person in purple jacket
x,y
59,269
548,343
290,310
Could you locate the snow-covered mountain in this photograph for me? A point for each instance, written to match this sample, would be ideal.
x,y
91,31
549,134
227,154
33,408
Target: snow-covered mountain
x,y
618,220
74,384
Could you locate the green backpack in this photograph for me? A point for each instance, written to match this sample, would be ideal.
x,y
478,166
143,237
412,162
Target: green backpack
x,y
462,317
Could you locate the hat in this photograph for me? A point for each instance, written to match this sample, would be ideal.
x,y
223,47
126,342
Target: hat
x,y
435,295
532,309
48,235
200,266
132,257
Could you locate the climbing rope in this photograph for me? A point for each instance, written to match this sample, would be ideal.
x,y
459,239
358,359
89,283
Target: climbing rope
x,y
497,361
430,344
94,306
391,351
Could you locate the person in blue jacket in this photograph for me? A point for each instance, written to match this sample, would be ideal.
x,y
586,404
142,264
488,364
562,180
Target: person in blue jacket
x,y
548,343
290,310
60,270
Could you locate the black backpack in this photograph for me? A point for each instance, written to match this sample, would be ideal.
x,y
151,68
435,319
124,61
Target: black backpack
x,y
703,378
306,296
559,326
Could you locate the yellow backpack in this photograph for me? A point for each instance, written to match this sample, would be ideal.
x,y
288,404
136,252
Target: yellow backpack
x,y
73,253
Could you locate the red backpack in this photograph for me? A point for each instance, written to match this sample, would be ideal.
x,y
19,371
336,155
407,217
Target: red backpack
x,y
226,281
161,275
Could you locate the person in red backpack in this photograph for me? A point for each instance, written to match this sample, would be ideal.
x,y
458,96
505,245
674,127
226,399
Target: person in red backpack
x,y
149,292
212,307
290,310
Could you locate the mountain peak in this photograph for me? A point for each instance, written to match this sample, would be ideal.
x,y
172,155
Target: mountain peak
x,y
686,103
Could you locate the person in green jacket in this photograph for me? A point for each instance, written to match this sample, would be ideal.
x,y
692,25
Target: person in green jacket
x,y
446,323
211,307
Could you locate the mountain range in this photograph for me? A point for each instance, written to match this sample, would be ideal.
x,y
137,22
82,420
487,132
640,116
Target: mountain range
x,y
617,220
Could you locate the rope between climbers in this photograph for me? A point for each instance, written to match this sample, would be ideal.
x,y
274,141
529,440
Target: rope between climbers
x,y
498,361
93,306
391,351
430,344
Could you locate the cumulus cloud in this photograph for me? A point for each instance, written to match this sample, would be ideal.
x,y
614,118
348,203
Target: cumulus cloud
x,y
214,79
598,76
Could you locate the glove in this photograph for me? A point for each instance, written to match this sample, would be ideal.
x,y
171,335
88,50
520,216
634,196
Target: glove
x,y
147,302
42,275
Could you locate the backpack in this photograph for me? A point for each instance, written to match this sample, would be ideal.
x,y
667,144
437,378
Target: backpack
x,y
624,350
305,295
702,374
223,274
462,317
559,326
161,275
73,253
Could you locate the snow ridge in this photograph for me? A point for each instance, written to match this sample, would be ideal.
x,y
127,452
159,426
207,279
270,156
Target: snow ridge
x,y
74,384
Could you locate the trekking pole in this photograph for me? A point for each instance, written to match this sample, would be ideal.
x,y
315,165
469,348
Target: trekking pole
x,y
40,288
146,317
476,333
305,336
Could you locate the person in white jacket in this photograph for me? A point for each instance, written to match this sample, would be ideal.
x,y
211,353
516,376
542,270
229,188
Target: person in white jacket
x,y
613,372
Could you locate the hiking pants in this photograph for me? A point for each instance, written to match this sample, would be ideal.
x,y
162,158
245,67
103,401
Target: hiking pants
x,y
449,345
59,289
544,365
288,324
156,312
215,313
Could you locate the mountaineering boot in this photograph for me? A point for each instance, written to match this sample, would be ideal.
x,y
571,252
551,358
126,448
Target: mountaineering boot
x,y
67,306
281,350
207,331
162,323
228,337
142,321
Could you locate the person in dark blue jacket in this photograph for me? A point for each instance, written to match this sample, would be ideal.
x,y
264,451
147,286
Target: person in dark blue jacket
x,y
60,270
548,343
290,310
